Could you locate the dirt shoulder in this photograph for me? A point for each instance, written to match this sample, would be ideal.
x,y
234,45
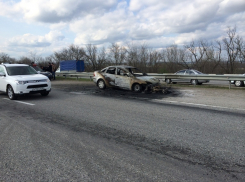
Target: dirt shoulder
x,y
223,97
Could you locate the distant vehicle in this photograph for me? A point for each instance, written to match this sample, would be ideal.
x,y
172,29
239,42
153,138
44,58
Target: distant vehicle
x,y
187,72
41,71
238,83
125,77
20,79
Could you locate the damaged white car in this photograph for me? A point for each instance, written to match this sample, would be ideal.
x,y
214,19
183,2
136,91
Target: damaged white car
x,y
126,77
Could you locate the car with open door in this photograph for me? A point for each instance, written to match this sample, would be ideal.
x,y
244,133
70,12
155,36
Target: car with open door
x,y
125,77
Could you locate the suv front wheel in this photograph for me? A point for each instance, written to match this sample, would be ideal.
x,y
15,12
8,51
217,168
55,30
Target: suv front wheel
x,y
10,92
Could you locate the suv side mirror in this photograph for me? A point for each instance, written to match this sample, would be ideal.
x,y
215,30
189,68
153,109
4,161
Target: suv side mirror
x,y
2,74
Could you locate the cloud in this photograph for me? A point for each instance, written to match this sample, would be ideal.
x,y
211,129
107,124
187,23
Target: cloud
x,y
157,23
228,7
110,27
55,11
29,40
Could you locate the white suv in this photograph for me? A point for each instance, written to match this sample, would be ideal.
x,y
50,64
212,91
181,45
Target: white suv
x,y
19,79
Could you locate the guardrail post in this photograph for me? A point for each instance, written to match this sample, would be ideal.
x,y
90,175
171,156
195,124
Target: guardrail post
x,y
229,84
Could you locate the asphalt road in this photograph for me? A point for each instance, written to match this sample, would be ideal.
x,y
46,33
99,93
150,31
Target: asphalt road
x,y
79,133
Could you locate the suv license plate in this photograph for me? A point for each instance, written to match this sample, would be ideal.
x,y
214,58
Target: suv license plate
x,y
36,89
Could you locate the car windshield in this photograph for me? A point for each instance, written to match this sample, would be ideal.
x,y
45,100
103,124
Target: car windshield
x,y
37,68
198,72
136,72
20,70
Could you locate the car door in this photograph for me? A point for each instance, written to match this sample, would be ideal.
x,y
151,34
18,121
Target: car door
x,y
181,72
2,79
122,79
190,73
110,75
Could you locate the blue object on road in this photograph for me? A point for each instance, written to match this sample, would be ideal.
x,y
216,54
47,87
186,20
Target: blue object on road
x,y
72,65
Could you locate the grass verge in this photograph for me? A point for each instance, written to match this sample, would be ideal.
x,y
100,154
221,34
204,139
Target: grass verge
x,y
73,79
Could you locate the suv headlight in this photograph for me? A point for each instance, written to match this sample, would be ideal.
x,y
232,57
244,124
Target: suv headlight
x,y
20,82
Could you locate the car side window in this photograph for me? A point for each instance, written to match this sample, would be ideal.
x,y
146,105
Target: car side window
x,y
103,70
121,72
111,70
189,72
181,72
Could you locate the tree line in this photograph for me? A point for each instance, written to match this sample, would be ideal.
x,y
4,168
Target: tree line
x,y
225,56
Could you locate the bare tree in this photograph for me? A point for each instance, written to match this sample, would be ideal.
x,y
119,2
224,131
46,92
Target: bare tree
x,y
117,54
144,57
25,60
73,52
174,58
5,58
198,54
213,54
133,55
102,58
231,49
154,59
95,58
241,49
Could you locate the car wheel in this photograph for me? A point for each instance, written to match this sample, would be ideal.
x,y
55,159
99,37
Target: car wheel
x,y
44,93
168,81
239,83
137,87
11,93
194,82
101,84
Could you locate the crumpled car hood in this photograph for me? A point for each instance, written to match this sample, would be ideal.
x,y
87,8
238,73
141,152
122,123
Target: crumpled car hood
x,y
148,79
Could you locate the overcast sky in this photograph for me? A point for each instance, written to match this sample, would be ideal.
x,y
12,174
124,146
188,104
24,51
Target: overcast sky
x,y
45,26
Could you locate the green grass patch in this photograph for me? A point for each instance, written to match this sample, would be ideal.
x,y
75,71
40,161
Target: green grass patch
x,y
73,78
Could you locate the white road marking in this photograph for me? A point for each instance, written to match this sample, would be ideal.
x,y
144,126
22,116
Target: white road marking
x,y
194,104
21,102
78,93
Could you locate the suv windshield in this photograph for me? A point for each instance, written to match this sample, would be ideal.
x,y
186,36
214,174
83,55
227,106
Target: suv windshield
x,y
20,70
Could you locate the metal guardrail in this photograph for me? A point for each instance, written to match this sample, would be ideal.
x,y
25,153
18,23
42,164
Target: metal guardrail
x,y
200,77
75,74
226,77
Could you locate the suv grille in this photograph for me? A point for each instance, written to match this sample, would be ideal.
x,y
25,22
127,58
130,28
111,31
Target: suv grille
x,y
37,86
